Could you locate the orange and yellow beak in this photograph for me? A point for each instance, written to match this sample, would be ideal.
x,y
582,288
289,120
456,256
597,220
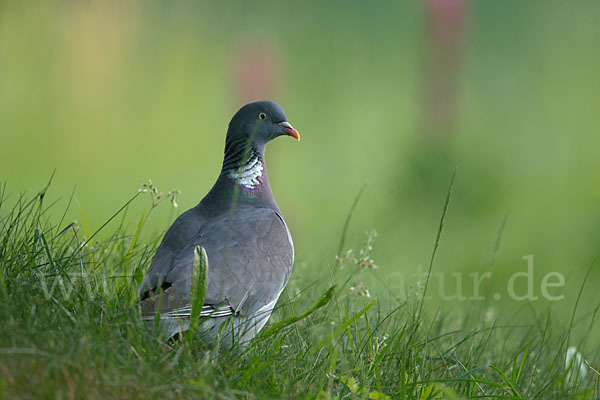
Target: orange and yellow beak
x,y
289,130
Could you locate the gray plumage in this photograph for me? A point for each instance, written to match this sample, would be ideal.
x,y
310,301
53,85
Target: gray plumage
x,y
249,247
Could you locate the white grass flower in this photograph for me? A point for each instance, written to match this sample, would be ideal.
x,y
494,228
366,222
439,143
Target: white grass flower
x,y
576,369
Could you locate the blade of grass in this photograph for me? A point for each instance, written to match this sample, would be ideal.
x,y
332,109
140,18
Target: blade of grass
x,y
198,289
437,240
587,274
342,328
506,380
518,375
136,235
348,219
322,301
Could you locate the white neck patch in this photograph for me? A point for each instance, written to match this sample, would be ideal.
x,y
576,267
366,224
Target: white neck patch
x,y
248,174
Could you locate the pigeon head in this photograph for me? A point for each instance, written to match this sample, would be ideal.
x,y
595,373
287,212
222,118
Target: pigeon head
x,y
250,129
257,123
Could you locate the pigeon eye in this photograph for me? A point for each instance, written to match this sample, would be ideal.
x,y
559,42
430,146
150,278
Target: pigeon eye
x,y
262,115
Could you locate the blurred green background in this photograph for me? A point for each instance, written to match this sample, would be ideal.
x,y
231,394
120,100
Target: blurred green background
x,y
396,94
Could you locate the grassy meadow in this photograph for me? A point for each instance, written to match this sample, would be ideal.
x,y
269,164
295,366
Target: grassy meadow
x,y
393,102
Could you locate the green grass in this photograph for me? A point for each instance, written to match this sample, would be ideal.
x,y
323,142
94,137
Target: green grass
x,y
111,93
84,338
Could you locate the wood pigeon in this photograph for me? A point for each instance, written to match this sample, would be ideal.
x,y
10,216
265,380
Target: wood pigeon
x,y
248,245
